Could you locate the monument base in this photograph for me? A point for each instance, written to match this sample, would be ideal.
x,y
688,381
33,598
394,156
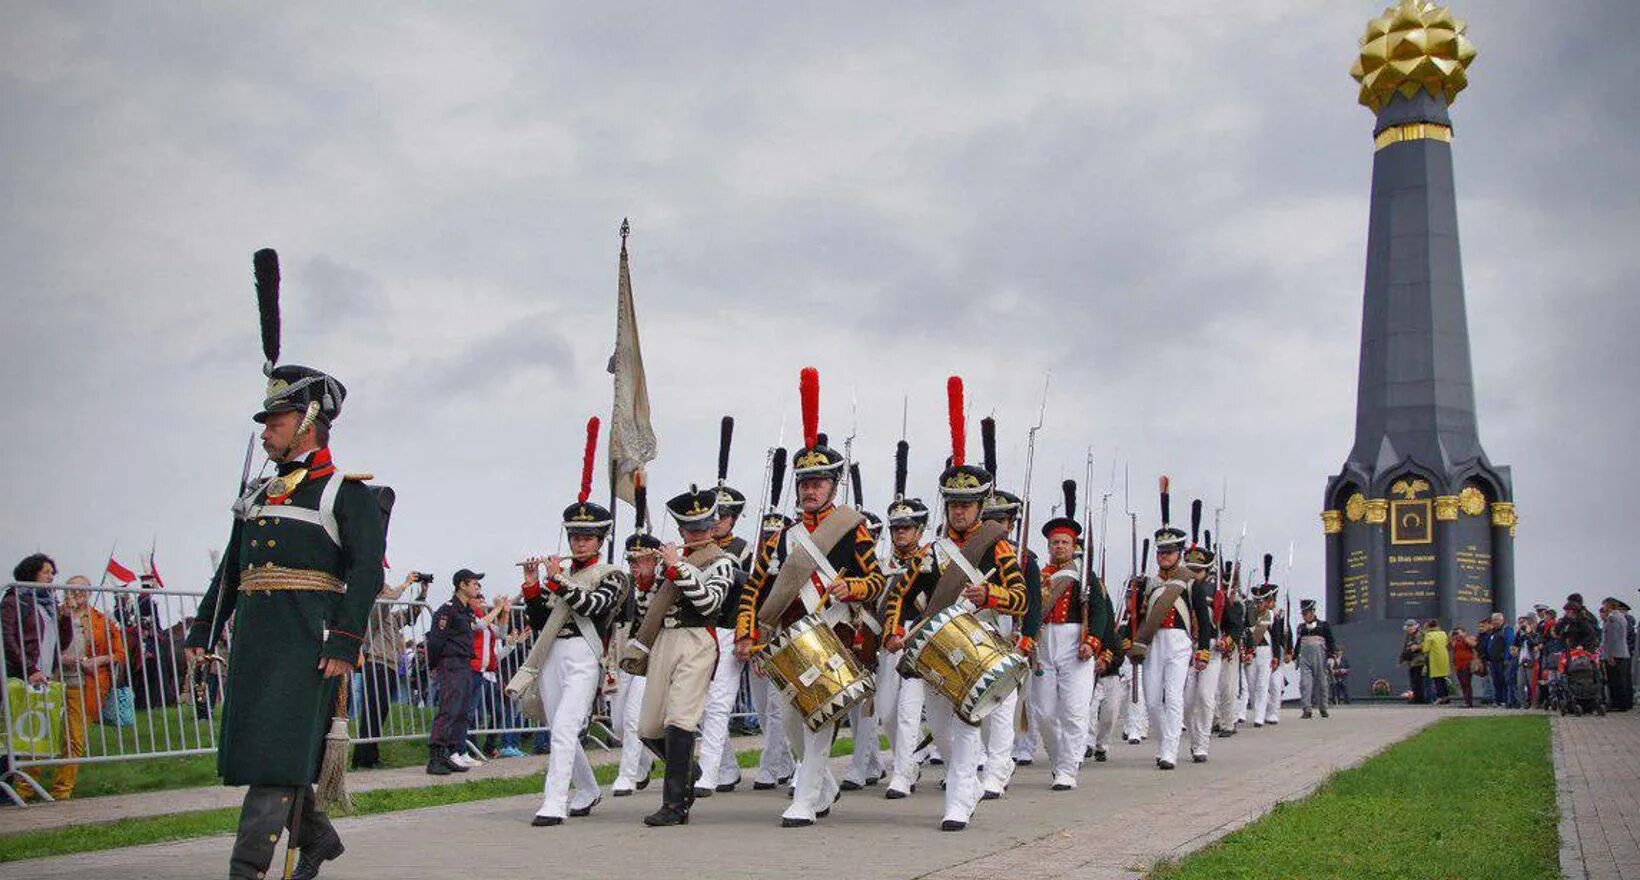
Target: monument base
x,y
1373,649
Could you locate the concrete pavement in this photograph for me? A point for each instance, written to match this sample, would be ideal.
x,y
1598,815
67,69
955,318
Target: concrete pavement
x,y
1125,816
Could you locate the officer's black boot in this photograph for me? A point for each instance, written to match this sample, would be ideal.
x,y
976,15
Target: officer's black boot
x,y
437,762
317,841
677,793
263,817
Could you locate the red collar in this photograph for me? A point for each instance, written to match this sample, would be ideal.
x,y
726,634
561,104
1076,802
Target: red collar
x,y
812,521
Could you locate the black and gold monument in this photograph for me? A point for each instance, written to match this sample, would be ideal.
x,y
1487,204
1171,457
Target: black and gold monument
x,y
1419,523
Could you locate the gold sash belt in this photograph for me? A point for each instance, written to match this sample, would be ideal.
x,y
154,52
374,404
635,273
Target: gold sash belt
x,y
277,578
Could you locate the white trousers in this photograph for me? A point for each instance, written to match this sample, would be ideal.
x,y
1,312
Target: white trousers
x,y
1166,666
1110,697
997,733
1259,683
866,764
717,754
636,759
960,743
1278,683
887,698
908,715
1062,694
569,681
776,762
1224,713
1203,703
814,785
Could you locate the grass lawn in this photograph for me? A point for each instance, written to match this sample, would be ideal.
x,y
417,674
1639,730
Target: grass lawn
x,y
174,729
201,823
1471,797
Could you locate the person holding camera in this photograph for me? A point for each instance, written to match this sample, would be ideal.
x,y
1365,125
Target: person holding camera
x,y
449,659
382,646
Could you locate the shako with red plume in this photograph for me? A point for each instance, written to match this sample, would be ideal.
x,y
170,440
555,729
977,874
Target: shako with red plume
x,y
815,460
585,516
903,511
961,481
1065,522
1169,538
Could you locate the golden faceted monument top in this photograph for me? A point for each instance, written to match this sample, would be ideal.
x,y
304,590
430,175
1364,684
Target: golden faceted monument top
x,y
1415,45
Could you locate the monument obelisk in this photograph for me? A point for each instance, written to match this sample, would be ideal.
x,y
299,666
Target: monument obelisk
x,y
1419,523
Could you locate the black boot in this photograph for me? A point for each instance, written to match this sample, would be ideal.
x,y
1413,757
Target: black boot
x,y
677,788
314,855
437,763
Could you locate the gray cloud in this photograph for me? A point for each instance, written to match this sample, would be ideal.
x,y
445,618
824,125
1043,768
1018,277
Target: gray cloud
x,y
1164,205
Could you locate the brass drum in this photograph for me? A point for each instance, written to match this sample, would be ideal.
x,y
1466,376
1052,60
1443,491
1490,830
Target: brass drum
x,y
818,675
964,660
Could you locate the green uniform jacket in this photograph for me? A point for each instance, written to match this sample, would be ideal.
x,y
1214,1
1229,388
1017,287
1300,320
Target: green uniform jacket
x,y
276,707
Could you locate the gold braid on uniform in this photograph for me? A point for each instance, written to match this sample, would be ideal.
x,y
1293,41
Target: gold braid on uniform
x,y
869,586
746,616
894,606
1007,595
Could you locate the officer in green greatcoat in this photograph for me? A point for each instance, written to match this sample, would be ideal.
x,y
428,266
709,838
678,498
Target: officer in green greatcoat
x,y
295,588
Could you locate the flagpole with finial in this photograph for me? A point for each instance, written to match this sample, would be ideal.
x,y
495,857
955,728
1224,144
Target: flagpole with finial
x,y
615,478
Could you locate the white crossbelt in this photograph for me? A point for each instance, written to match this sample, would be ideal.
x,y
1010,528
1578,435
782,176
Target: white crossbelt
x,y
834,613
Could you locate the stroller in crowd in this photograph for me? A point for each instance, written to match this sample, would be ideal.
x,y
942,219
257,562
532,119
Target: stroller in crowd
x,y
1580,688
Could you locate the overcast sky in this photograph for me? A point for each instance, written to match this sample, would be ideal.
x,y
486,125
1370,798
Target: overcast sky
x,y
1164,204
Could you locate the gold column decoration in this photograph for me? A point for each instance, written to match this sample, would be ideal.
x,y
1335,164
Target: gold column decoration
x,y
1414,46
1332,522
1377,511
1413,131
1503,515
1446,508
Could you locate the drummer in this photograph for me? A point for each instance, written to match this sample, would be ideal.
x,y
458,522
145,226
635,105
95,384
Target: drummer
x,y
999,590
852,552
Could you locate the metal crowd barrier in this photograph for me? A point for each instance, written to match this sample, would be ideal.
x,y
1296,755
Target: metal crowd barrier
x,y
123,691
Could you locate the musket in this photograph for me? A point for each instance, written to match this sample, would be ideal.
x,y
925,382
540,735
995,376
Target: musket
x,y
1104,511
848,445
1030,462
1133,618
1087,532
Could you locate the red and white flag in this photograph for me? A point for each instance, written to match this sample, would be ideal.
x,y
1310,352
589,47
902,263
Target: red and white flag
x,y
119,573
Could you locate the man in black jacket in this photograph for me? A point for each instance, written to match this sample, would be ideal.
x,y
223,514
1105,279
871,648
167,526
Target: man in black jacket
x,y
449,658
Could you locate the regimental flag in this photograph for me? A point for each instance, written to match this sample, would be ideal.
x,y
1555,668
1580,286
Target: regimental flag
x,y
118,573
631,436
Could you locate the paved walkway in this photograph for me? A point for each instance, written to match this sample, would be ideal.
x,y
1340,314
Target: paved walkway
x,y
1123,818
1597,773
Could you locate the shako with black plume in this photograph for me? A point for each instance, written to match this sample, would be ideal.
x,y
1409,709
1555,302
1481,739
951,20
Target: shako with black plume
x,y
1066,522
903,511
1200,555
731,501
1169,538
641,542
1002,504
874,523
773,519
315,394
